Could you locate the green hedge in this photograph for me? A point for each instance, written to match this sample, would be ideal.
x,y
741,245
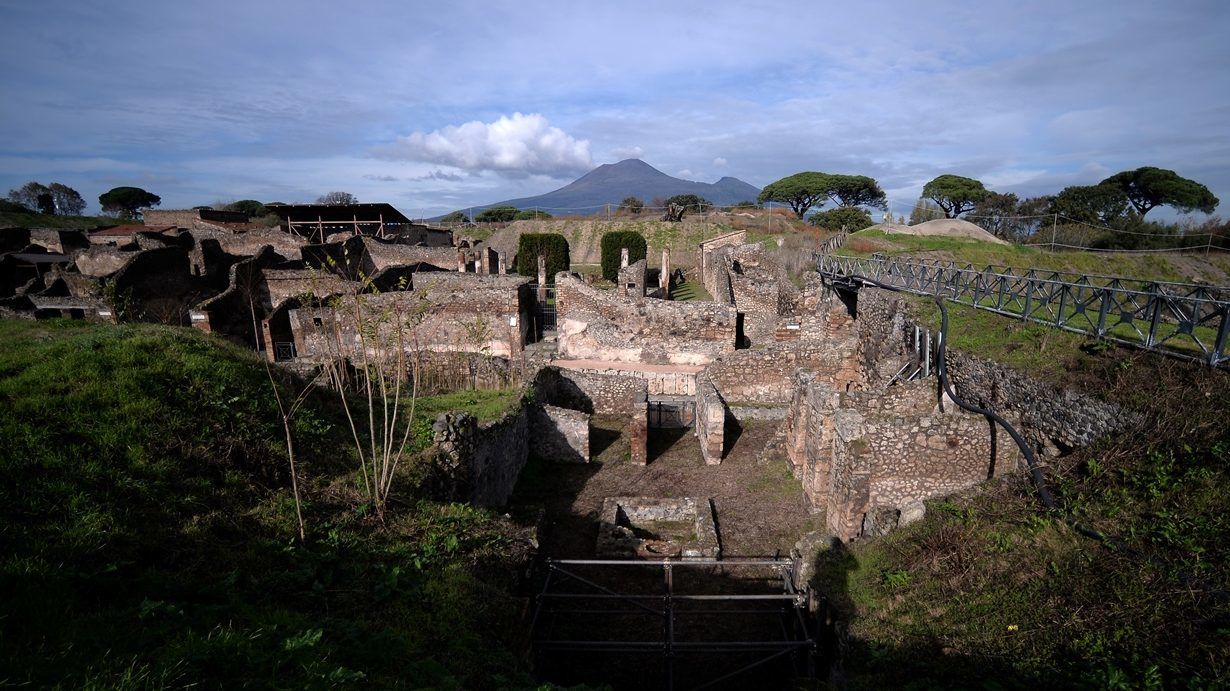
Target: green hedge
x,y
553,245
613,242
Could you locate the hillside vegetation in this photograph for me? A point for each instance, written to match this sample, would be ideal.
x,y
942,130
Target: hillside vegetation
x,y
147,533
991,590
33,220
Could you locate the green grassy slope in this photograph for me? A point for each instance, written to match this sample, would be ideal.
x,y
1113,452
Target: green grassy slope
x,y
1180,267
25,220
992,591
147,533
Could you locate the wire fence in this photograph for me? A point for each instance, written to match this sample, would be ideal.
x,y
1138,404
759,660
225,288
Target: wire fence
x,y
1185,320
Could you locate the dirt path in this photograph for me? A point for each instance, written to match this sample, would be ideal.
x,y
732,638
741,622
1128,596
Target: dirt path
x,y
760,506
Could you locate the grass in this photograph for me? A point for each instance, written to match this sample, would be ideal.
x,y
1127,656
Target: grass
x,y
992,588
147,532
690,291
24,220
1183,268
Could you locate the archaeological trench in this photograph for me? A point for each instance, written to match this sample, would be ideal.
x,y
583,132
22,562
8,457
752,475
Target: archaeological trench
x,y
682,461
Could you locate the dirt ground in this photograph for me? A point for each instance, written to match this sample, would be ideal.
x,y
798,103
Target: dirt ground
x,y
760,507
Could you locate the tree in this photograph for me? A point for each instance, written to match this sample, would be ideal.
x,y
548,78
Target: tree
x,y
632,205
454,217
615,241
47,204
337,199
801,191
553,245
497,214
856,190
1148,187
251,207
67,200
850,218
127,202
12,207
531,214
925,210
955,194
679,205
1095,204
27,195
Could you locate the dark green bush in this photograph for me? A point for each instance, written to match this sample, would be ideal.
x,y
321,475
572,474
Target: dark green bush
x,y
613,242
553,245
852,217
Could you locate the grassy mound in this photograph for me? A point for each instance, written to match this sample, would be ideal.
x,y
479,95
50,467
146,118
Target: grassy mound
x,y
991,590
9,219
147,533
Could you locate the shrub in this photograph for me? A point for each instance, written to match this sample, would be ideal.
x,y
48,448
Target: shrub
x,y
553,245
455,217
852,217
531,214
613,242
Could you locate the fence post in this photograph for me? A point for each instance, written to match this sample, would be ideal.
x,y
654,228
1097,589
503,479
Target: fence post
x,y
1054,229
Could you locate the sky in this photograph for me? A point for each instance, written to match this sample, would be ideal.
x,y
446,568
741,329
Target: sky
x,y
438,106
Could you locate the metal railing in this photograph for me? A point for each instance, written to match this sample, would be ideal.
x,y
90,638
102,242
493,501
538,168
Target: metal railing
x,y
1183,320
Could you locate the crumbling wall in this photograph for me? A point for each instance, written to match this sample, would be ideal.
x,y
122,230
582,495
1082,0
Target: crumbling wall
x,y
102,260
861,454
661,380
767,375
249,243
630,280
479,463
159,286
710,420
559,434
713,269
445,312
603,325
600,394
1053,418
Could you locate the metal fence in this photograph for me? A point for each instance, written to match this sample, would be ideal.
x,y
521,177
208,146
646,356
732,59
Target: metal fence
x,y
1184,320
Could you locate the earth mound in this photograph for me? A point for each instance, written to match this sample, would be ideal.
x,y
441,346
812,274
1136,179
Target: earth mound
x,y
942,227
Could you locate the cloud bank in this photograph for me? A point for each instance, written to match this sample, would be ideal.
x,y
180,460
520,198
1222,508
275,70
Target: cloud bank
x,y
520,144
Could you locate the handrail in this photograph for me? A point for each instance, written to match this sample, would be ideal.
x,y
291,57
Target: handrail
x,y
1181,320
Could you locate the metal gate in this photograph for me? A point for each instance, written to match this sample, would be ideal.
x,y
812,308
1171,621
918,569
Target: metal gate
x,y
671,413
680,623
544,308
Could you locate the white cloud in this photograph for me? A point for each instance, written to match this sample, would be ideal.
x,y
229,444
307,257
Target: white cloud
x,y
627,152
719,162
522,144
686,174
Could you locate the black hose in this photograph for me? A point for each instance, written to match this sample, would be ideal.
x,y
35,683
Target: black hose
x,y
942,372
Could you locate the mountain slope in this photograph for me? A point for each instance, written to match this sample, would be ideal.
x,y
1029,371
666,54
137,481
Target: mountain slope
x,y
612,182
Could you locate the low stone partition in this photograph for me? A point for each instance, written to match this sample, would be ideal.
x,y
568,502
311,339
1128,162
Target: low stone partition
x,y
479,463
661,380
655,528
559,434
766,375
710,420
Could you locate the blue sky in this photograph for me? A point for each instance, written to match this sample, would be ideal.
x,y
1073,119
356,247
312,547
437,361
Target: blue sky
x,y
436,106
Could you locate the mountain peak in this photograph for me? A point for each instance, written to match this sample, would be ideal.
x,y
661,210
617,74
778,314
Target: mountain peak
x,y
610,183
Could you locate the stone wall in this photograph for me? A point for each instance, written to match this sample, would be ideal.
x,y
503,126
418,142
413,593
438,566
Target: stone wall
x,y
559,434
1053,418
101,260
712,268
159,286
630,281
281,285
767,374
661,380
604,325
445,312
600,394
597,394
480,463
249,243
710,420
861,454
